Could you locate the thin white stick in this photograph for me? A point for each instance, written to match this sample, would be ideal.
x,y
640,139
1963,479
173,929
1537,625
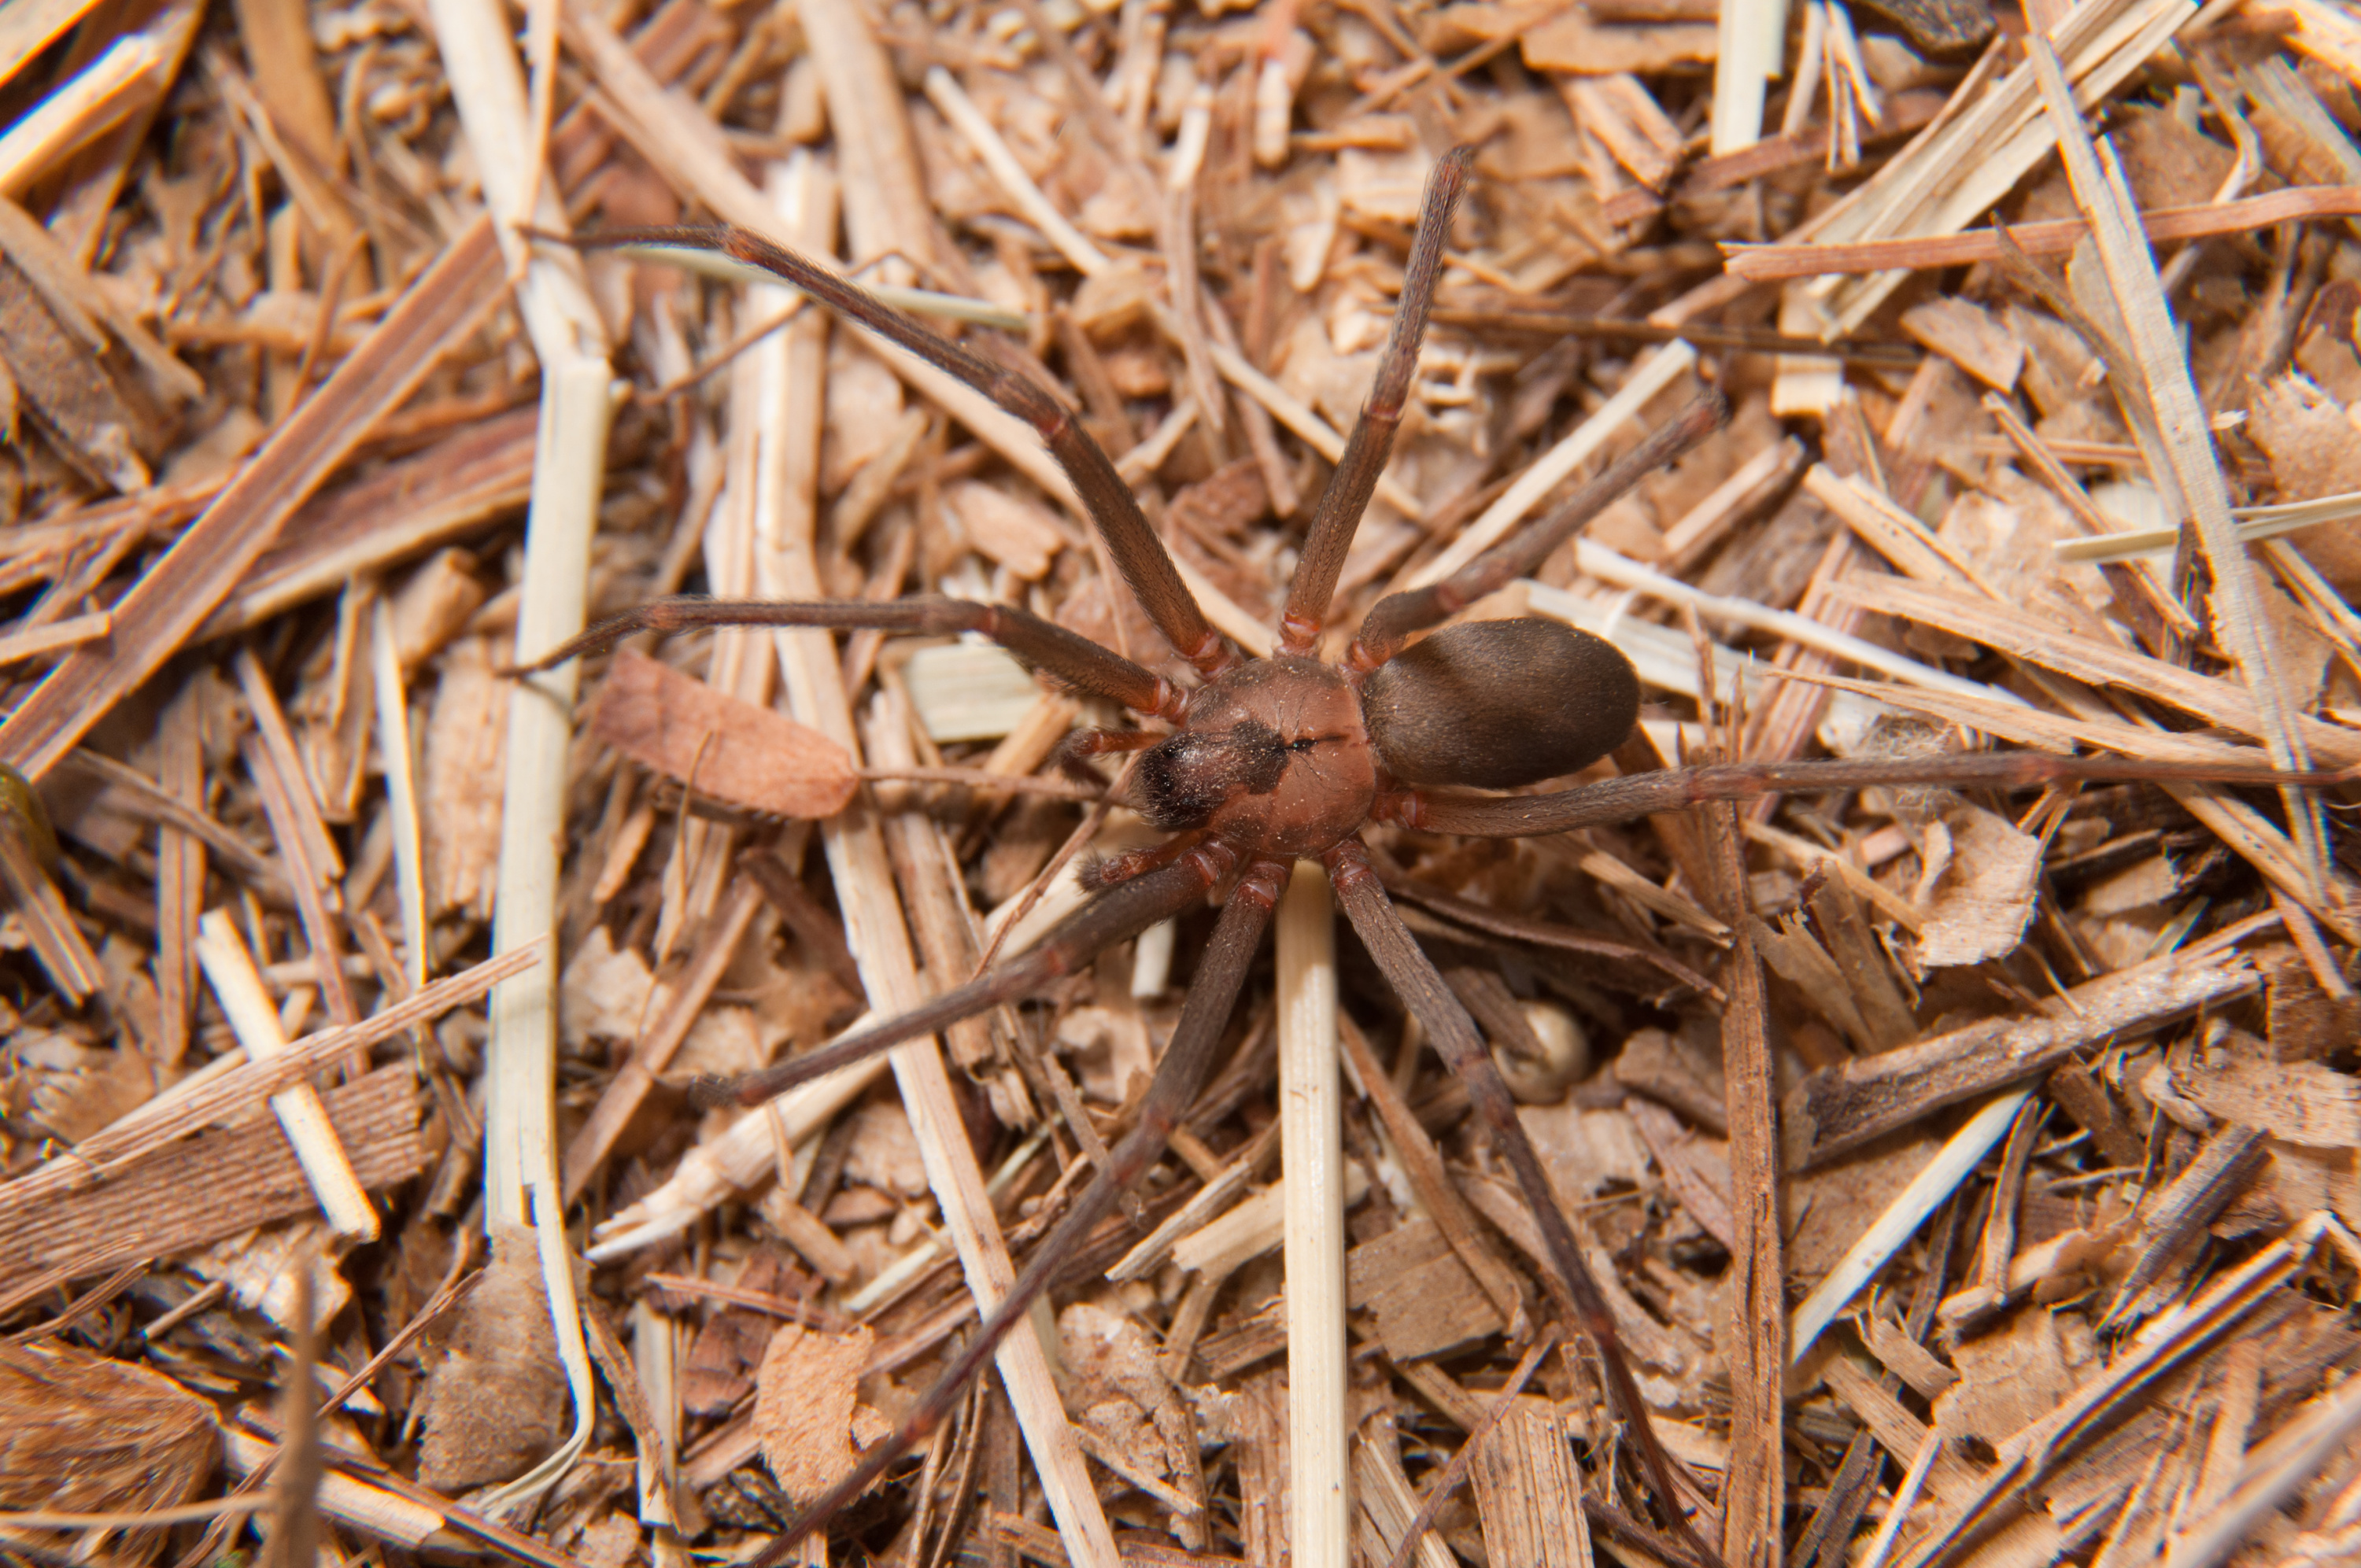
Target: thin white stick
x,y
945,92
31,30
1856,72
359,1505
401,788
223,954
569,338
1312,1157
1647,379
2255,525
1901,1220
540,48
1144,459
67,632
1221,1245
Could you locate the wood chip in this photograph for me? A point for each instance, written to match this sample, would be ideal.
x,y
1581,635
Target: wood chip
x,y
214,1186
808,1408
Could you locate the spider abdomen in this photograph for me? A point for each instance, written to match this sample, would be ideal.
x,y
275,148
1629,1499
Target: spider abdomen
x,y
1495,703
1273,759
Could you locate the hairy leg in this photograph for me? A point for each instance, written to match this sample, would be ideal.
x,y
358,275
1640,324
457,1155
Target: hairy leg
x,y
1338,514
1215,991
1042,645
1102,872
1080,745
1421,988
1122,911
1392,620
1138,553
1639,795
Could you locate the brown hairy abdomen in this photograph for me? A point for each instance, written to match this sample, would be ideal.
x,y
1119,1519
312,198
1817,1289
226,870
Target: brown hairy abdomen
x,y
1495,703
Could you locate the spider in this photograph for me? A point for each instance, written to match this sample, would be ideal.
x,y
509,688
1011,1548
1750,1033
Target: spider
x,y
1268,759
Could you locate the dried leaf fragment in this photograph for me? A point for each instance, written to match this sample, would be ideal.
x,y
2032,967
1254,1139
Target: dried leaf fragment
x,y
497,1401
807,1409
1978,892
722,746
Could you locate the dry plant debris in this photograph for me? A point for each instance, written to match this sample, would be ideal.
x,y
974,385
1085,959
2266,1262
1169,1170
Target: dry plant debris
x,y
2040,1122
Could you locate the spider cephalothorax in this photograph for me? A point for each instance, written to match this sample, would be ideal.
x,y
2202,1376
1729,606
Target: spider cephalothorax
x,y
1272,756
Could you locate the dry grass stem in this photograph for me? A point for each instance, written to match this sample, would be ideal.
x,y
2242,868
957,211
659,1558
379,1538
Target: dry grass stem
x,y
1772,263
1311,1160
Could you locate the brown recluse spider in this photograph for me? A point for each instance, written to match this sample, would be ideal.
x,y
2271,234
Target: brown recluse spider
x,y
1273,759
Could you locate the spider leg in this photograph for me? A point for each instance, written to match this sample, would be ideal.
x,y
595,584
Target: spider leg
x,y
1395,617
1639,795
1338,514
1107,870
1124,910
1138,553
1041,644
1084,743
1220,976
1080,746
1415,980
